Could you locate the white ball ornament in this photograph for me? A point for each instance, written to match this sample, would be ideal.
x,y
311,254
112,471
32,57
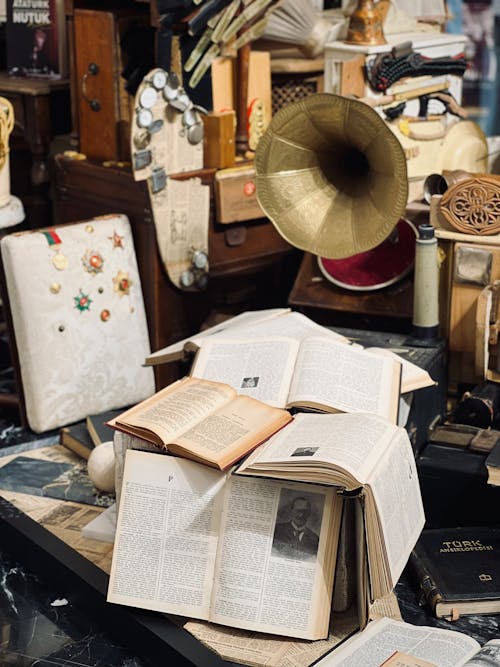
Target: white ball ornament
x,y
101,467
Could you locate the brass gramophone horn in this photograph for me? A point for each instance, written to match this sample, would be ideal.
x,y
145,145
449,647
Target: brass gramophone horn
x,y
331,175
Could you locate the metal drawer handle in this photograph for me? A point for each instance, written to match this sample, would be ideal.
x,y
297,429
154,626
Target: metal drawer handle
x,y
93,70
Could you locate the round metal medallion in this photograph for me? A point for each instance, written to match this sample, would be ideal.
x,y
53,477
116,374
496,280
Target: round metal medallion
x,y
195,133
148,97
142,139
60,261
159,80
156,126
171,88
181,102
187,278
144,118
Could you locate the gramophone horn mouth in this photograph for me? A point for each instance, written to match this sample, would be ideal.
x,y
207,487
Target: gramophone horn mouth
x,y
331,175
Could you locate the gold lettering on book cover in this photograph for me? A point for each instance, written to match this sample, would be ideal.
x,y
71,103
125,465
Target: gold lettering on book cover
x,y
464,545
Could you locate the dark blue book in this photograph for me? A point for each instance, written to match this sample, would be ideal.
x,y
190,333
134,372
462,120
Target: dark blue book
x,y
77,438
97,426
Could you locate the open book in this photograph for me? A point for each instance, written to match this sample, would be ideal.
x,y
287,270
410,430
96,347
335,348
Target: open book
x,y
177,351
355,452
274,322
202,420
217,547
381,639
316,372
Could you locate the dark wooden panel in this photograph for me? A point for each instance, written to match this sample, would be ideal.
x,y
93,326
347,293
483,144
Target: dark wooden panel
x,y
40,111
104,105
95,43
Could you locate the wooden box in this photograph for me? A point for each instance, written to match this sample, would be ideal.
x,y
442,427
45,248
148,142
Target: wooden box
x,y
236,195
459,294
104,107
294,77
219,147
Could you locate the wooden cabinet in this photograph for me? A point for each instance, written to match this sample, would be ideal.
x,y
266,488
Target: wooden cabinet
x,y
104,105
99,102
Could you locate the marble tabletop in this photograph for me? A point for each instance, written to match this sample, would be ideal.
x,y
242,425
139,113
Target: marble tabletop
x,y
42,626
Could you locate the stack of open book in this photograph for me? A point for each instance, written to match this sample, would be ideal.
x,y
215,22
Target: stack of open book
x,y
248,519
256,547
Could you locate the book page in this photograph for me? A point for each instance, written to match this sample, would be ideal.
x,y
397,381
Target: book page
x,y
291,531
487,656
386,606
121,443
292,325
260,368
166,534
397,506
231,431
176,408
399,659
352,443
176,350
353,450
381,638
257,649
346,378
412,376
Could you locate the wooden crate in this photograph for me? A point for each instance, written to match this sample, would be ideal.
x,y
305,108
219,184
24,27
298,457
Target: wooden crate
x,y
294,78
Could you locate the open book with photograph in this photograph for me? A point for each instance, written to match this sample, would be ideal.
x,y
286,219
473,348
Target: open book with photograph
x,y
355,452
386,642
196,527
317,372
218,547
202,420
279,322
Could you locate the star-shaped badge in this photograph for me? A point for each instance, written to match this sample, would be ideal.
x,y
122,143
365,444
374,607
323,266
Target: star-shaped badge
x,y
122,283
117,240
82,301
